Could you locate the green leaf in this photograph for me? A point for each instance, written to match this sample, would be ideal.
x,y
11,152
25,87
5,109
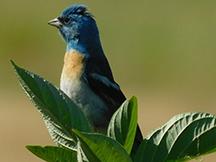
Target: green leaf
x,y
123,124
81,157
139,156
53,154
197,137
100,148
59,113
184,137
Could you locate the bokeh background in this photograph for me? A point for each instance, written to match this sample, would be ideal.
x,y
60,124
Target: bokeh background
x,y
163,52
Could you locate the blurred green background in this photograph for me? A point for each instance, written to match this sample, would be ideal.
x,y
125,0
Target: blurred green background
x,y
163,52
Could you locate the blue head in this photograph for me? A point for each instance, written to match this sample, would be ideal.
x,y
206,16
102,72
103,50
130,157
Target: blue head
x,y
78,28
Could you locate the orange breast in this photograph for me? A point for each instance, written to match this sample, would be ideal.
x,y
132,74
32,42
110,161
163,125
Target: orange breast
x,y
73,65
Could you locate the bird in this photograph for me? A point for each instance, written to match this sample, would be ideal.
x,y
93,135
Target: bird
x,y
86,76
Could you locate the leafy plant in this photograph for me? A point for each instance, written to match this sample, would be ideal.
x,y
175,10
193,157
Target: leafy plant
x,y
182,138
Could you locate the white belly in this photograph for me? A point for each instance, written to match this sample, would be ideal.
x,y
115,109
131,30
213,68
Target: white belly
x,y
91,104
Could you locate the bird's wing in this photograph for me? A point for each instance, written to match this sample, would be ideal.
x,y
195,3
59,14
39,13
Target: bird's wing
x,y
108,90
111,93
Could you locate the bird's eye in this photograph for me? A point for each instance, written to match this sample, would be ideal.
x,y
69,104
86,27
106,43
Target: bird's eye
x,y
66,20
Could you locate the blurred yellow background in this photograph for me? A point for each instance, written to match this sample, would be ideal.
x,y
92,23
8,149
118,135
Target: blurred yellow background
x,y
163,52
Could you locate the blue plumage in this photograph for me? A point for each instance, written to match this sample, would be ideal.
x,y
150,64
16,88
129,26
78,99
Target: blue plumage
x,y
79,30
78,9
86,77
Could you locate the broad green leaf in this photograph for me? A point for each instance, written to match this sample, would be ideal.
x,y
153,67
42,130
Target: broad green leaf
x,y
185,136
197,137
123,124
53,154
100,148
59,113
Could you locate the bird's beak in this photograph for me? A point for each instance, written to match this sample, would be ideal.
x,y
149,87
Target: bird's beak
x,y
55,22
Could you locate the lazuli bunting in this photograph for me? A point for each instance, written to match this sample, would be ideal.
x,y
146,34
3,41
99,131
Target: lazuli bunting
x,y
86,76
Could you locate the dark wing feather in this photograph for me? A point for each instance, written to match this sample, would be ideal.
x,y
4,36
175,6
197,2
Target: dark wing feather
x,y
99,76
100,79
109,92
